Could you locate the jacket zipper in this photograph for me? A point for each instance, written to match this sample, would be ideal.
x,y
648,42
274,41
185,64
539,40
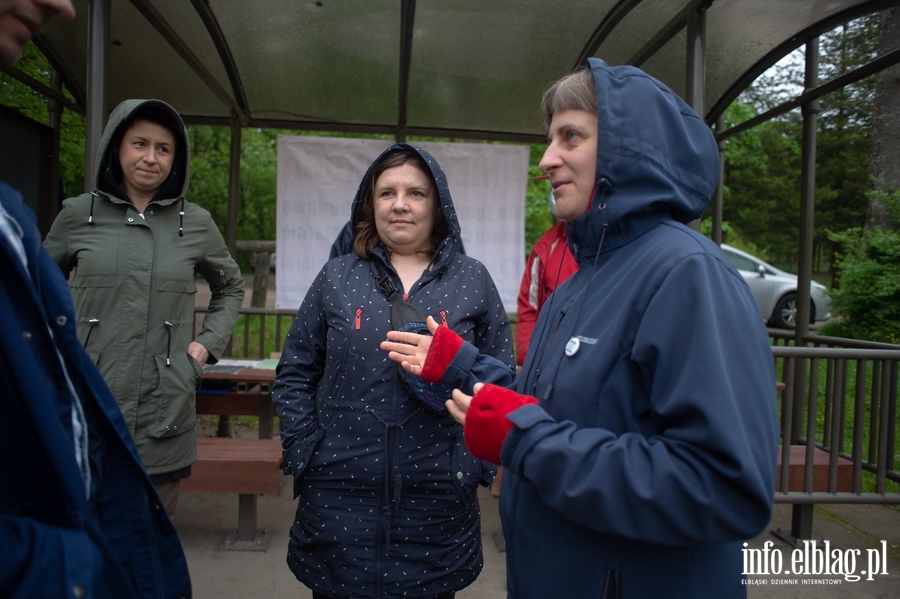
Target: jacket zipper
x,y
358,317
537,371
443,314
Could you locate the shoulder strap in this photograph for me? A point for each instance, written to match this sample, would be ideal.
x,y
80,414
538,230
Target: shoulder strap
x,y
386,283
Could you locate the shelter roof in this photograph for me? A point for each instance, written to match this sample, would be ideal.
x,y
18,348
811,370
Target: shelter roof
x,y
449,68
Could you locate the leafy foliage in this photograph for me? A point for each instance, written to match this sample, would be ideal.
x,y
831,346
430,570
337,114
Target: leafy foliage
x,y
30,103
867,304
763,165
538,213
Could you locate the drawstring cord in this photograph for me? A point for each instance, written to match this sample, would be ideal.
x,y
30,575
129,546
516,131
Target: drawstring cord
x,y
93,322
181,219
91,215
168,326
391,500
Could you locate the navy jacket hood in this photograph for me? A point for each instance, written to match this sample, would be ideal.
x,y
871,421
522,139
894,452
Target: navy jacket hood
x,y
656,159
451,243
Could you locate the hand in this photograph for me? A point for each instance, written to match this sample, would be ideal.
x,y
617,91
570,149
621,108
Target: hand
x,y
198,352
459,405
410,349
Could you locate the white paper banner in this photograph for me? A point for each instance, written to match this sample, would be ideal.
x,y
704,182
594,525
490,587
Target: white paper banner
x,y
318,178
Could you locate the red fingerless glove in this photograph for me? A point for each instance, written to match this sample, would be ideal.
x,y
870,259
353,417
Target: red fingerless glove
x,y
442,351
486,423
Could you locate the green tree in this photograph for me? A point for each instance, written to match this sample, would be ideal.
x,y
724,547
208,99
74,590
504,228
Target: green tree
x,y
762,177
867,304
538,214
26,101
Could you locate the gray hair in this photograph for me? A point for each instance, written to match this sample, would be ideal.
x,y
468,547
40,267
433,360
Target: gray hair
x,y
575,91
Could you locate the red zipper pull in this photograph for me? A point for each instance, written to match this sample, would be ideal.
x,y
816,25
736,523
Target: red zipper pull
x,y
358,316
443,317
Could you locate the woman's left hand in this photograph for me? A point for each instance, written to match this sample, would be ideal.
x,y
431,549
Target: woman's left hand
x,y
198,352
410,349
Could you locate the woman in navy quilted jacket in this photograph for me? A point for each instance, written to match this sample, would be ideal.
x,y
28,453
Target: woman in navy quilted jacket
x,y
387,488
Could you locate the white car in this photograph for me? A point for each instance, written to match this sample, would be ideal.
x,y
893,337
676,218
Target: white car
x,y
776,291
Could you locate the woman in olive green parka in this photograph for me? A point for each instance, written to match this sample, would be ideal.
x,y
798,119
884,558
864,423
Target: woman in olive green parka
x,y
135,244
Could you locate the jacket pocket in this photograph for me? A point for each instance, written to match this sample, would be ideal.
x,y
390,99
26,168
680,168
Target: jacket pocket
x,y
330,397
465,470
176,285
174,397
93,280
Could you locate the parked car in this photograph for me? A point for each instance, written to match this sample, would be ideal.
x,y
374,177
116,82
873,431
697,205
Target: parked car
x,y
776,291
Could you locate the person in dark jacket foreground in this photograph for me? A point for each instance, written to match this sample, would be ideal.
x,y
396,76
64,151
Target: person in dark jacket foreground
x,y
640,441
78,514
388,504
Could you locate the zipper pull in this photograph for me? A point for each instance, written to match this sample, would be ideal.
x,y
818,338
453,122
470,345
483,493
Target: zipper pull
x,y
443,314
358,317
222,280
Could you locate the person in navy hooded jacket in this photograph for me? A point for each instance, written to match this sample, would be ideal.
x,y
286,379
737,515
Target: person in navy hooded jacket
x,y
78,515
388,505
640,441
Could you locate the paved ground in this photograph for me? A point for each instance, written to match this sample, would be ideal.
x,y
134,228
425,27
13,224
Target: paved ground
x,y
204,520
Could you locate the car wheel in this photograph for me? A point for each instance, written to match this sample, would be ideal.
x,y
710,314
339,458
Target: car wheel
x,y
785,314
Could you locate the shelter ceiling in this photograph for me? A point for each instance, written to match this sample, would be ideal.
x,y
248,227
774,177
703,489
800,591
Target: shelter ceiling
x,y
456,68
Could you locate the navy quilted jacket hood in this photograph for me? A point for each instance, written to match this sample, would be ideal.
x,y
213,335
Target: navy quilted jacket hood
x,y
387,488
451,244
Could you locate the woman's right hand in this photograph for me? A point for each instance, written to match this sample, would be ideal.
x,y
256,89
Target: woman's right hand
x,y
410,349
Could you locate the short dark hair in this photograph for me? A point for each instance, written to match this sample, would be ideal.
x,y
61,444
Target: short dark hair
x,y
158,114
366,236
575,91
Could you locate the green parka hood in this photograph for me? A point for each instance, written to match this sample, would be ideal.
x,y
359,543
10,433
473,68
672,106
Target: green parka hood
x,y
108,178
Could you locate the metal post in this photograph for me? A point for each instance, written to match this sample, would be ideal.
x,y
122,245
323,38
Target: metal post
x,y
810,113
54,120
719,197
97,75
265,411
802,515
246,517
695,67
234,184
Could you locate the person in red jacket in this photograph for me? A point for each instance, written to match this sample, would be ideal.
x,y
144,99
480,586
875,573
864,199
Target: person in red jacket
x,y
549,264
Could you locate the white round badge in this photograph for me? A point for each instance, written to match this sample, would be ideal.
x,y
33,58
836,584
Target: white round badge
x,y
572,346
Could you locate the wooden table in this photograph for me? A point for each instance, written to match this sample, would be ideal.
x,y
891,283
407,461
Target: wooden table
x,y
246,467
246,385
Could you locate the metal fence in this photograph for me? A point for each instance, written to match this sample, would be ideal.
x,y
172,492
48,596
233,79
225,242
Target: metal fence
x,y
838,412
258,333
838,424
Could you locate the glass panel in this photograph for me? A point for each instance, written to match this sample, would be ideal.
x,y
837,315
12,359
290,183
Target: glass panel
x,y
483,65
667,64
142,64
739,34
636,29
475,65
183,18
325,60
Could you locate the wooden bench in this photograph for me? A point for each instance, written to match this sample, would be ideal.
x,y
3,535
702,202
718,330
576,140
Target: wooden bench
x,y
247,467
821,462
802,512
